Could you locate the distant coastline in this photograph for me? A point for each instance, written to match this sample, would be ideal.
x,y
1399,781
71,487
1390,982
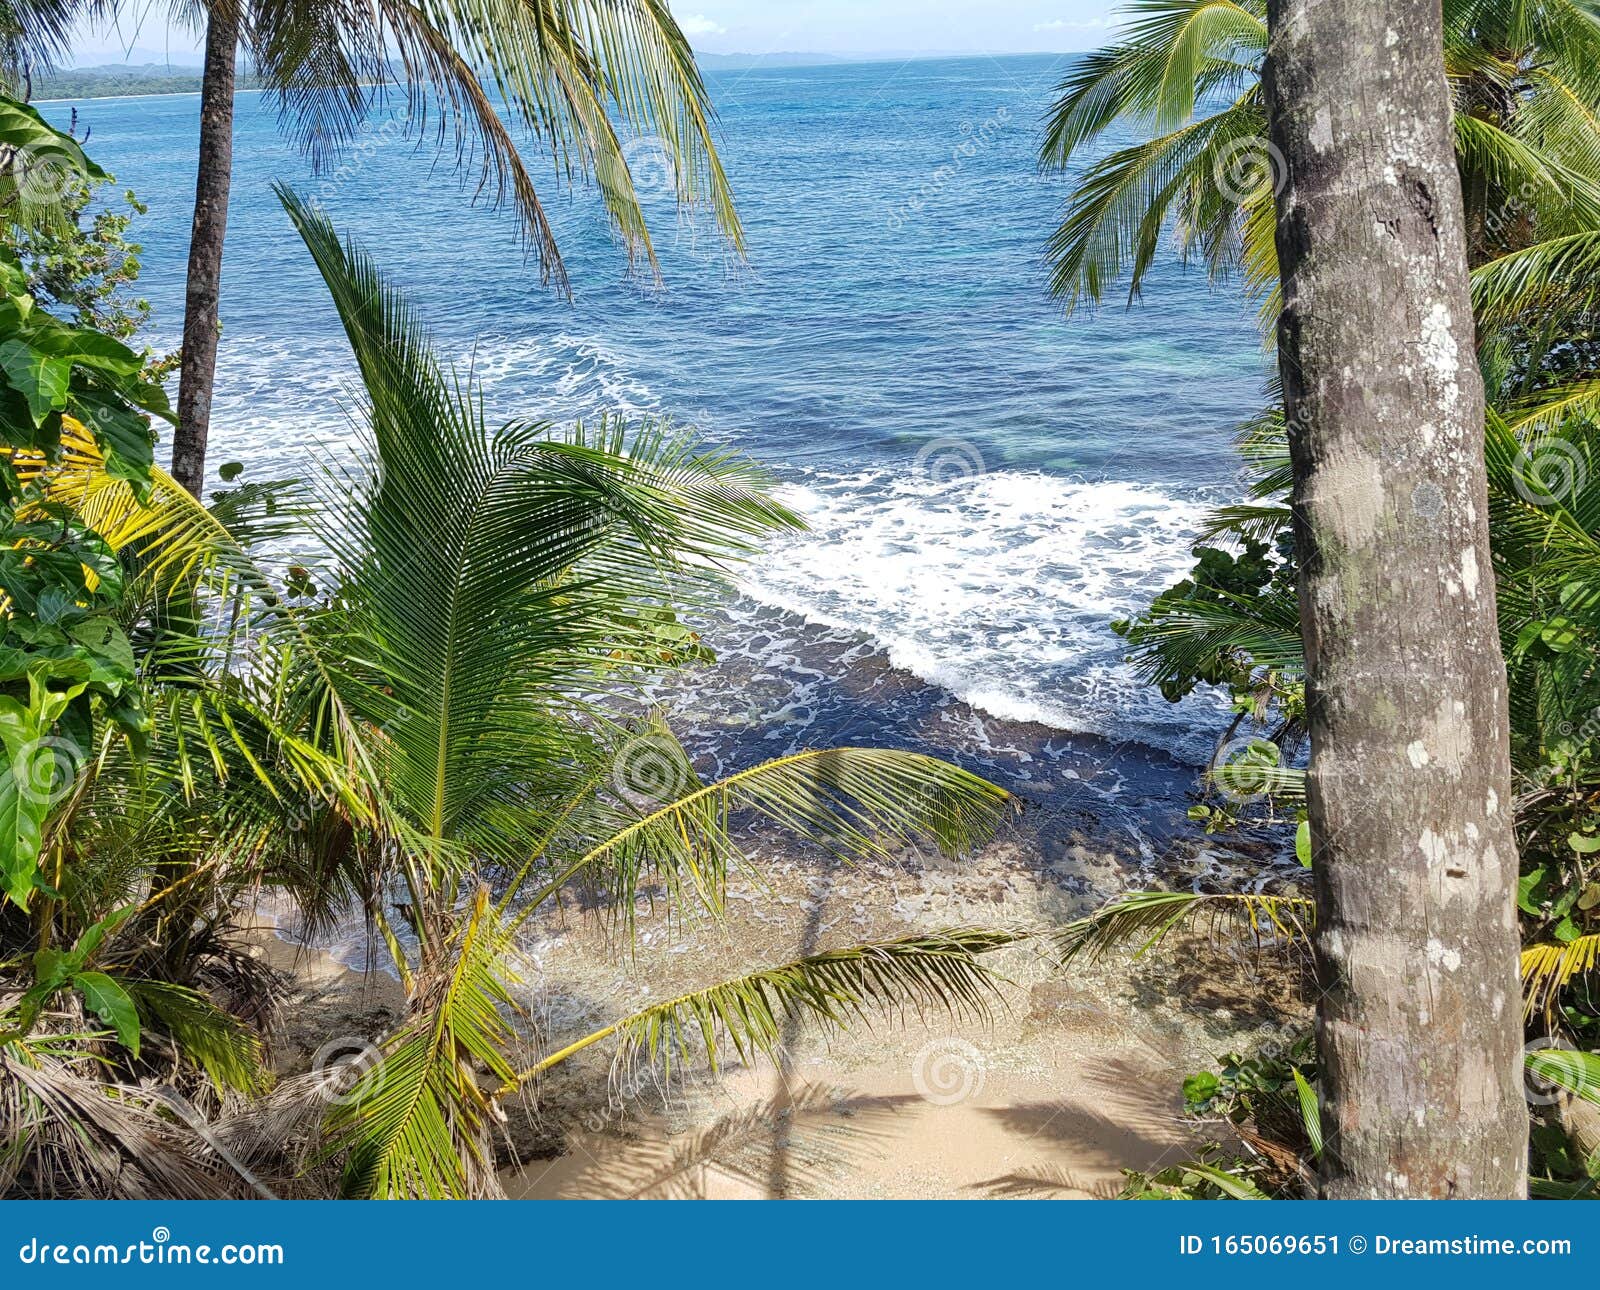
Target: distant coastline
x,y
152,79
124,82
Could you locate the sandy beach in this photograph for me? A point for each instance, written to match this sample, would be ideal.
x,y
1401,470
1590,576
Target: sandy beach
x,y
1075,1076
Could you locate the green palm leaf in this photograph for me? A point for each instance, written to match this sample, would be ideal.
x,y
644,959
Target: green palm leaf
x,y
853,802
587,80
1148,917
416,1124
925,974
1578,1073
541,547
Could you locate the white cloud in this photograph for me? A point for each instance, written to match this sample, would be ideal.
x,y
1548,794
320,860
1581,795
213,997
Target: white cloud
x,y
697,24
1062,24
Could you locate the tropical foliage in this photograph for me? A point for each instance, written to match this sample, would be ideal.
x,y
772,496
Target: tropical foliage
x,y
1185,76
431,718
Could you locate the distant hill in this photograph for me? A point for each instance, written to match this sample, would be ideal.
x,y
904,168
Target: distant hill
x,y
115,81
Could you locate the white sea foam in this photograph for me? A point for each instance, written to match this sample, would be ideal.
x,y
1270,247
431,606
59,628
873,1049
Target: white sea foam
x,y
998,587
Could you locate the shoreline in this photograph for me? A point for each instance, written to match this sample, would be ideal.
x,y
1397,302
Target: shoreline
x,y
1072,1079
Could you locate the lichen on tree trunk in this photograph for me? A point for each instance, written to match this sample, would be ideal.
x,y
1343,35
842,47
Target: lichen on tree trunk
x,y
1419,1023
197,373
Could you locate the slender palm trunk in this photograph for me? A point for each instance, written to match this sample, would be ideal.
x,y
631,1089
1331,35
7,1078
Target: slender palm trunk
x,y
1419,1027
198,373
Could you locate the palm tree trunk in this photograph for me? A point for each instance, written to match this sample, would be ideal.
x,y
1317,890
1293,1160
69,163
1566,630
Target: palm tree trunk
x,y
197,375
1419,1027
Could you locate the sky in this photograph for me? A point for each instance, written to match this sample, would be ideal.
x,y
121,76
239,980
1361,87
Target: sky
x,y
843,27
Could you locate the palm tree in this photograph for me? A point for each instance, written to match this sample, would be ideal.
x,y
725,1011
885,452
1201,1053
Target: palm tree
x,y
1526,91
580,76
1525,96
434,735
482,653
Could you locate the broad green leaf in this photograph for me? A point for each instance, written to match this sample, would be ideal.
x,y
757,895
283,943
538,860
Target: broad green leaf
x,y
123,433
22,810
1527,891
41,380
22,128
51,968
110,1002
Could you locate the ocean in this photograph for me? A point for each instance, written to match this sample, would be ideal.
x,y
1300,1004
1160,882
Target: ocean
x,y
988,482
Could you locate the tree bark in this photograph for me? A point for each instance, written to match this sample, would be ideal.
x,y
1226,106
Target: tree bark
x,y
197,374
1419,1025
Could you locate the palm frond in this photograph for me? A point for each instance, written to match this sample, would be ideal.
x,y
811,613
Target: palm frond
x,y
222,1045
853,802
819,1146
1558,276
66,1134
1547,969
585,80
1188,632
416,1124
1148,917
925,974
1533,416
1171,53
1578,1073
1117,213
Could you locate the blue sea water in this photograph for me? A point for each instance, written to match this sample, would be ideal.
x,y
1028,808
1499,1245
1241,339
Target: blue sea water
x,y
988,481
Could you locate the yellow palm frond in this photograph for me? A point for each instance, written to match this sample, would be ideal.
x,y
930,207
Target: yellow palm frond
x,y
1546,970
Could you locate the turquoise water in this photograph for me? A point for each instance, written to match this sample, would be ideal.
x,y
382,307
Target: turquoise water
x,y
988,481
